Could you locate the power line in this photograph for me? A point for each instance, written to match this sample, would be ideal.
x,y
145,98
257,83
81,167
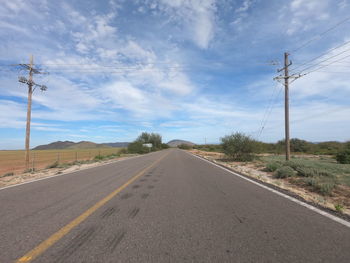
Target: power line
x,y
319,36
322,55
271,104
326,65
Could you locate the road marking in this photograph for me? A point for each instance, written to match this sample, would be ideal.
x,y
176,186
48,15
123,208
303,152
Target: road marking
x,y
53,176
42,247
315,209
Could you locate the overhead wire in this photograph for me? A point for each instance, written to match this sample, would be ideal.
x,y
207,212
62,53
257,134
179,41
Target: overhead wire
x,y
319,36
271,105
325,65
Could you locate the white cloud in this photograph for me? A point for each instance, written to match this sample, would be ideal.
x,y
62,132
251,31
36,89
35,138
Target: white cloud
x,y
305,14
12,114
196,16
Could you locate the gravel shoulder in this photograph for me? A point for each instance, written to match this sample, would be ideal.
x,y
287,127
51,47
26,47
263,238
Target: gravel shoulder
x,y
50,172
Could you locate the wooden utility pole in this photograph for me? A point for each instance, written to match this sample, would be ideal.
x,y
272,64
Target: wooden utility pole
x,y
29,110
31,87
286,78
286,104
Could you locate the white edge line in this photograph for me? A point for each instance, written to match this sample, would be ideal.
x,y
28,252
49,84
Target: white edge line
x,y
53,176
315,209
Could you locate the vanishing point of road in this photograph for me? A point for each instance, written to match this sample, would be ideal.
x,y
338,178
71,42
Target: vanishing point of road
x,y
167,206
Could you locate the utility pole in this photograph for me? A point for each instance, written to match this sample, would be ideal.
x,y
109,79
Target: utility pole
x,y
286,104
31,84
286,78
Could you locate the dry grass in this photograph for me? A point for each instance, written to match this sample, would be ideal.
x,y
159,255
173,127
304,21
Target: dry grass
x,y
13,161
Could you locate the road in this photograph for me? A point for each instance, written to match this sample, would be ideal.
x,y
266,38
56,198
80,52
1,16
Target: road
x,y
167,206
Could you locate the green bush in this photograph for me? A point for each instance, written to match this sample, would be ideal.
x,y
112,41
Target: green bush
x,y
184,146
339,207
123,151
273,166
284,172
137,147
325,187
165,146
343,157
239,147
312,172
7,174
53,165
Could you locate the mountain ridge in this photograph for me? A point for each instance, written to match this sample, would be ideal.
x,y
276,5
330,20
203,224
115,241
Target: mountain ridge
x,y
177,142
58,145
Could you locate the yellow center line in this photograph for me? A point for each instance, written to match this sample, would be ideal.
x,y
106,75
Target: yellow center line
x,y
43,246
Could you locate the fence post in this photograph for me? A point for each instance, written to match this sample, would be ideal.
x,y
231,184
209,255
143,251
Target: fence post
x,y
99,153
58,157
33,162
76,156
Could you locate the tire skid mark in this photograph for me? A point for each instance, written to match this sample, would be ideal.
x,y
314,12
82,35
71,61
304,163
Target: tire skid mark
x,y
144,196
114,240
125,196
132,213
78,241
241,220
108,212
136,186
143,180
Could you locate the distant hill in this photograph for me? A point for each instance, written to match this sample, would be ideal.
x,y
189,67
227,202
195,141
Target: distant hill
x,y
175,143
55,145
78,145
88,145
117,144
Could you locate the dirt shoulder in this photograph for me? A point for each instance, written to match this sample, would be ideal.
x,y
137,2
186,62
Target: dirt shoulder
x,y
256,171
45,173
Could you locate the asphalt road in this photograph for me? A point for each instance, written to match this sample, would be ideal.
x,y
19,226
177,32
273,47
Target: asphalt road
x,y
181,209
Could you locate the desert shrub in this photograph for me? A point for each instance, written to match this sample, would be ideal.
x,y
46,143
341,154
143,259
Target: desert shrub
x,y
312,172
137,147
98,157
7,174
284,172
239,147
53,165
165,146
343,157
273,166
154,138
339,207
123,151
184,146
325,187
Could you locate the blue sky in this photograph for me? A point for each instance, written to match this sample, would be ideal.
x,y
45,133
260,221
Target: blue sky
x,y
187,69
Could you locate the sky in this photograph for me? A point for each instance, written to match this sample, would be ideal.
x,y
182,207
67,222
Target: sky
x,y
195,70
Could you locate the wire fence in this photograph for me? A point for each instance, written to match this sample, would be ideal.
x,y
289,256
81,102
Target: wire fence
x,y
14,161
